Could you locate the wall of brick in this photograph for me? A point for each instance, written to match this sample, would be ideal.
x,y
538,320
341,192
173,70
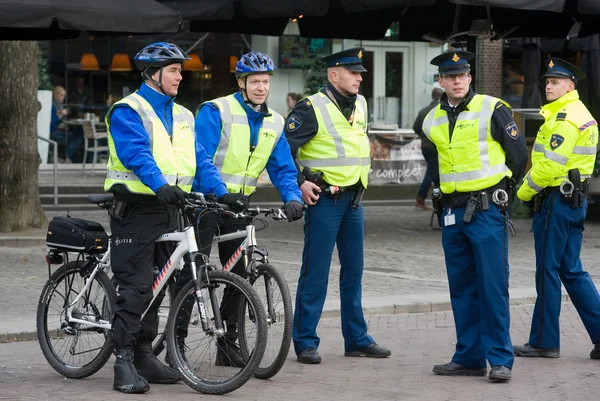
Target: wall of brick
x,y
489,67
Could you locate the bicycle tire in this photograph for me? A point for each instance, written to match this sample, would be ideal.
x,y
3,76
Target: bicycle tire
x,y
51,289
239,379
274,363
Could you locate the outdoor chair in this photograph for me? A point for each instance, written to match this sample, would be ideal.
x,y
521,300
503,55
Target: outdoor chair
x,y
90,135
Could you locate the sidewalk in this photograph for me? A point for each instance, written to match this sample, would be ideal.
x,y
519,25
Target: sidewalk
x,y
417,340
404,266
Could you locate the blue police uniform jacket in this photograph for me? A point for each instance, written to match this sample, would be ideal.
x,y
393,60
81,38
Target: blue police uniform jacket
x,y
280,166
133,148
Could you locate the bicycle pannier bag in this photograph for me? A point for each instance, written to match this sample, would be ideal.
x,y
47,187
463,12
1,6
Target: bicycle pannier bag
x,y
71,234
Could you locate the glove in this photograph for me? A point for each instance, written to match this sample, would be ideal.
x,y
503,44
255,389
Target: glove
x,y
293,210
237,202
170,194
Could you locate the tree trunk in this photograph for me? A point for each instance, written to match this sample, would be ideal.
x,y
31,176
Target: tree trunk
x,y
20,205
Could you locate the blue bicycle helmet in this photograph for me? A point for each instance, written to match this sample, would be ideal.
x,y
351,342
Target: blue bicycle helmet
x,y
253,63
159,54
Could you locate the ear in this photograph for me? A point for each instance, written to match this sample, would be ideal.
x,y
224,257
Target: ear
x,y
240,83
470,79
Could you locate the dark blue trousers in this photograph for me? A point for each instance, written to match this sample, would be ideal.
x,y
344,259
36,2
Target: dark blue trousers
x,y
328,223
558,233
477,267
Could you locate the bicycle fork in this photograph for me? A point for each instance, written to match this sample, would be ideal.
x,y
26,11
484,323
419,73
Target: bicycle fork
x,y
199,282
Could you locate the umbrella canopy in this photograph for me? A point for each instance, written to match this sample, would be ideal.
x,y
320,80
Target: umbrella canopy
x,y
369,19
57,19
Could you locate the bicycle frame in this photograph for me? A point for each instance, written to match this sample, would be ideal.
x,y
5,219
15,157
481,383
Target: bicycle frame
x,y
249,244
186,244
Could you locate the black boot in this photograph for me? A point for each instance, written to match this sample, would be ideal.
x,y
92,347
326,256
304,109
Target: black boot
x,y
182,351
228,353
150,368
127,379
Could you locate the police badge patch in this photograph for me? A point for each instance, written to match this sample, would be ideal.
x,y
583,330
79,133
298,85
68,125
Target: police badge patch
x,y
556,140
512,130
293,123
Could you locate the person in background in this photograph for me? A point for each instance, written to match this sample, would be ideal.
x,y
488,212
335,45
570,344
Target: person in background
x,y
427,148
58,113
291,100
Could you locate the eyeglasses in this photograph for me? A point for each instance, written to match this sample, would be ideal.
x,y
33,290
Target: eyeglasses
x,y
461,77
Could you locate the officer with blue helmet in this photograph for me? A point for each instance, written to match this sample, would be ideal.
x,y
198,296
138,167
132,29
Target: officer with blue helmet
x,y
243,137
327,133
479,149
563,157
153,160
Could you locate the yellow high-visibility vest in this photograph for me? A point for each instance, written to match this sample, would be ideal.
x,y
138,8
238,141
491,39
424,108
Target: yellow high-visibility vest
x,y
340,149
175,157
239,166
472,160
567,140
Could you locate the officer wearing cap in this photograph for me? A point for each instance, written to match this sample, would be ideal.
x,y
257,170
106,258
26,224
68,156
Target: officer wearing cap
x,y
327,133
479,149
565,142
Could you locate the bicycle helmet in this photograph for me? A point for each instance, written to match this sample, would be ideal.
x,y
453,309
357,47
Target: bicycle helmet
x,y
154,57
253,63
159,54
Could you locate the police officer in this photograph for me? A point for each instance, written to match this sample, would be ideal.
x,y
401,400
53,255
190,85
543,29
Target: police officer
x,y
567,141
243,137
427,149
327,133
153,160
480,148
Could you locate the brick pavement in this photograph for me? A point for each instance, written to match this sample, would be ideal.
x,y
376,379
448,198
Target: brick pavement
x,y
417,340
404,265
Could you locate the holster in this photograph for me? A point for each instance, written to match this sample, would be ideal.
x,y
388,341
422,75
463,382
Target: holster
x,y
117,209
357,199
578,194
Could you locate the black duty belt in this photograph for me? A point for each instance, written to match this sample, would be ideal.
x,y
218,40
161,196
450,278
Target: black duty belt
x,y
460,199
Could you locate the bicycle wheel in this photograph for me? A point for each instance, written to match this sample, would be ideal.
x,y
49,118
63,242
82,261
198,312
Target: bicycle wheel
x,y
274,293
160,342
197,359
75,350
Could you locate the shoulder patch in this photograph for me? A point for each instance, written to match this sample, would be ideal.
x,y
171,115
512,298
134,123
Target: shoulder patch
x,y
556,140
561,116
512,130
293,123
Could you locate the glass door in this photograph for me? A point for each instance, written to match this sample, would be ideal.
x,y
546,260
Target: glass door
x,y
384,83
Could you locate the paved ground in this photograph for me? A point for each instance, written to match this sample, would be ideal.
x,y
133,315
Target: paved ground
x,y
404,265
417,340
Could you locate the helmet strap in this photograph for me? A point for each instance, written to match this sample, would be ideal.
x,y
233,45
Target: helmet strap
x,y
158,83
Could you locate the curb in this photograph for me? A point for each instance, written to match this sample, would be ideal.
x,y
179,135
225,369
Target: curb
x,y
417,307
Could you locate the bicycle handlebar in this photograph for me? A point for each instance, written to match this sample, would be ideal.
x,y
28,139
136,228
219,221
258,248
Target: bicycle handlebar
x,y
197,200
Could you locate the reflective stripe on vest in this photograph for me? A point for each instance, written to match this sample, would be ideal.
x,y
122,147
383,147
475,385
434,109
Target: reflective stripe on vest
x,y
172,154
239,167
491,157
339,150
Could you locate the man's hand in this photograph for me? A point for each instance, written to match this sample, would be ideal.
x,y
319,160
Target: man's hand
x,y
310,192
237,202
293,210
170,194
